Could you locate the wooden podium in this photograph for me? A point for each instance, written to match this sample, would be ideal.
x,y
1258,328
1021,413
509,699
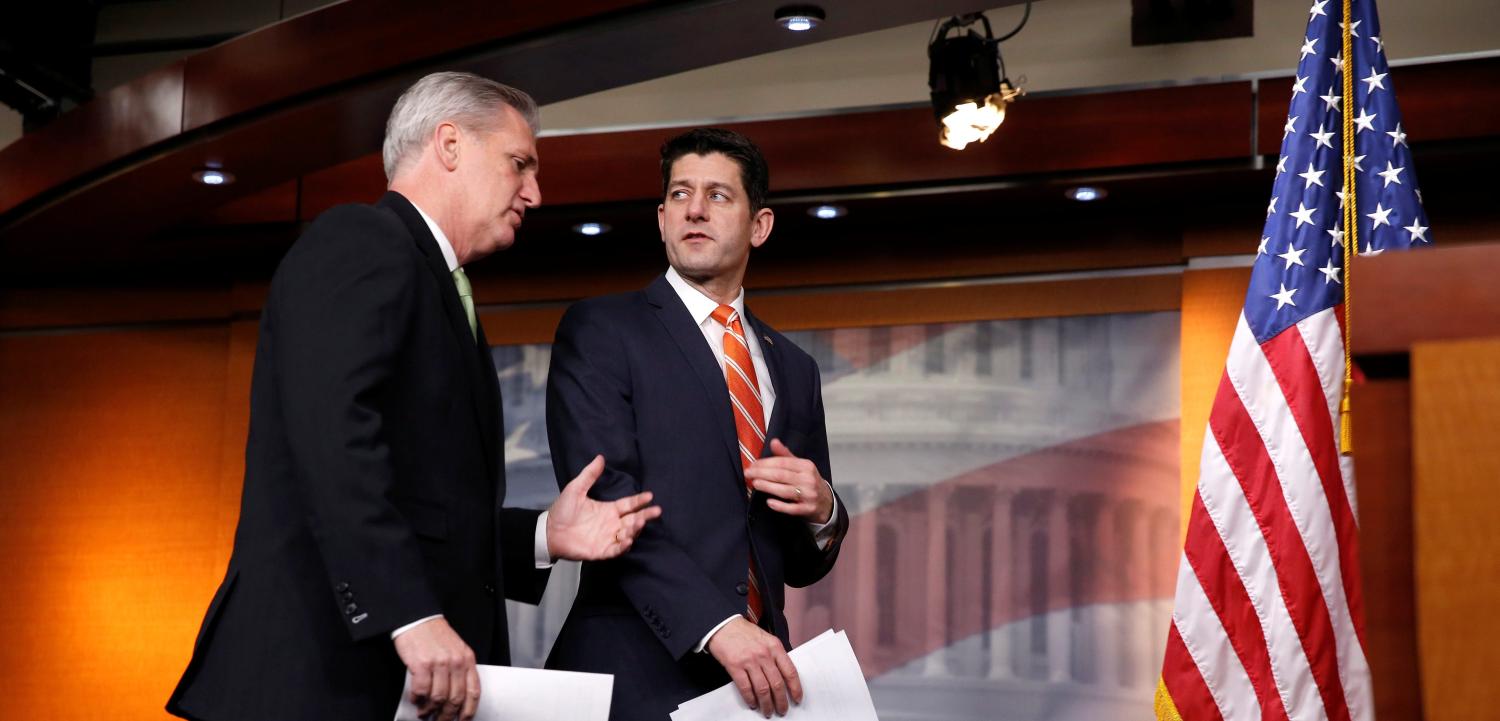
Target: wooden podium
x,y
1426,332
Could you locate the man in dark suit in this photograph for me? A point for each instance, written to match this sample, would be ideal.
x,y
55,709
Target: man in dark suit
x,y
688,395
372,542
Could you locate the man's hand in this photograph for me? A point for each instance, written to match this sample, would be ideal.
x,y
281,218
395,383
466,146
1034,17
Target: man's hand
x,y
795,481
444,682
583,529
761,670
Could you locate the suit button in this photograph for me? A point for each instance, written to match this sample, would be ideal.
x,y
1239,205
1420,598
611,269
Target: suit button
x,y
342,587
350,609
489,590
742,588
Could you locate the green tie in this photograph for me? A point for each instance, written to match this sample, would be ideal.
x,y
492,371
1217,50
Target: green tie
x,y
466,294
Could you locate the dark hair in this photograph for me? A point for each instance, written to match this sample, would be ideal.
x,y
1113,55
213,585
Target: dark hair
x,y
754,174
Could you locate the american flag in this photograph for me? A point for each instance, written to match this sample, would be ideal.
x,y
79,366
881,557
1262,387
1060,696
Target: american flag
x,y
1267,620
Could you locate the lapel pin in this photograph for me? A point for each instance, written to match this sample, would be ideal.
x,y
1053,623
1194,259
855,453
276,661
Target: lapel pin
x,y
767,339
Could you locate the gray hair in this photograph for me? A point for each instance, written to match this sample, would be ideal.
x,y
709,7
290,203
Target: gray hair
x,y
470,101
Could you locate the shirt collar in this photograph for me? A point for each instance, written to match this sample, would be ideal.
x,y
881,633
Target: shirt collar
x,y
442,240
700,306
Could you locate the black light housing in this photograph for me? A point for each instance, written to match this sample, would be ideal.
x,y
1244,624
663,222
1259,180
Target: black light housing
x,y
965,74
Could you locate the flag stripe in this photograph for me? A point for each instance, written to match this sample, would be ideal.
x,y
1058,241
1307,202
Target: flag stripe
x,y
1253,467
1297,373
1207,642
1235,522
1274,412
1221,584
1180,675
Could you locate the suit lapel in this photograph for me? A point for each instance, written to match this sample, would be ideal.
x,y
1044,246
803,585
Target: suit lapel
x,y
485,398
775,363
689,338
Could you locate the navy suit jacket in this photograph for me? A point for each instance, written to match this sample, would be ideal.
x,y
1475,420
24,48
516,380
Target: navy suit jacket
x,y
373,483
633,378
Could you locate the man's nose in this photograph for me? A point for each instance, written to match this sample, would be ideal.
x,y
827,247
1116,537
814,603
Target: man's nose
x,y
531,192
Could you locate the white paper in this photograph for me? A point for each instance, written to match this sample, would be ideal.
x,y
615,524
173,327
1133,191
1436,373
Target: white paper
x,y
529,694
833,688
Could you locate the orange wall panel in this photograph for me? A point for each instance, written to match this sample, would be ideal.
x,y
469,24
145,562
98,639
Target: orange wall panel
x,y
110,514
1211,305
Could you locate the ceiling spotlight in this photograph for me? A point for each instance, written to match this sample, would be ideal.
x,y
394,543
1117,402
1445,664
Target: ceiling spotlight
x,y
1085,193
967,76
799,18
591,229
213,176
827,212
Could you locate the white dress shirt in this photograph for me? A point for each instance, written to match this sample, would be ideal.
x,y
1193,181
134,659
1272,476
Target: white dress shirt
x,y
543,557
701,308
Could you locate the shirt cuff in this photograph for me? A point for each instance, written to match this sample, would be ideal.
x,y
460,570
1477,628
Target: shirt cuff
x,y
540,553
704,643
413,625
823,533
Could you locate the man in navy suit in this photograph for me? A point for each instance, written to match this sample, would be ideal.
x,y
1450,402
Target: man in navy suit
x,y
688,395
372,541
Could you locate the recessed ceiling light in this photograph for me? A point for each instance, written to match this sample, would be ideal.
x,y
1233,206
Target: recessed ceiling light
x,y
1085,193
827,212
591,229
799,18
213,176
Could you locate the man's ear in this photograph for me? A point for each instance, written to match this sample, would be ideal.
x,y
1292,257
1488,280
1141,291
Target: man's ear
x,y
761,225
446,139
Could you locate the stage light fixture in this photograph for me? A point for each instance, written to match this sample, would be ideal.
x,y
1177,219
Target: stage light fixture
x,y
827,212
591,229
1086,193
966,74
213,176
799,18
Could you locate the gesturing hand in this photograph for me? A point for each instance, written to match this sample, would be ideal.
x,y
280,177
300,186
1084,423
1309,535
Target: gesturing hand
x,y
583,529
795,481
759,666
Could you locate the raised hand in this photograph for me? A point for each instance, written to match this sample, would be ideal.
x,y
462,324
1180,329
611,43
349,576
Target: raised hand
x,y
797,486
583,529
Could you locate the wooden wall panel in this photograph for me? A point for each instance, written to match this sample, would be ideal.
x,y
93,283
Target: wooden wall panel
x,y
1455,412
124,120
1383,474
22,308
902,306
1211,305
110,514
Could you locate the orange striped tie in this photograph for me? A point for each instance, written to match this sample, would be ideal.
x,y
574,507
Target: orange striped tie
x,y
749,417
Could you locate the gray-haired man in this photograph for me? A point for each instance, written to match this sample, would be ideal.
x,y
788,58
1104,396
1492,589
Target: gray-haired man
x,y
372,542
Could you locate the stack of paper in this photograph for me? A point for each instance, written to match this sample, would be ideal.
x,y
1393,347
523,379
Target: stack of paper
x,y
833,688
529,694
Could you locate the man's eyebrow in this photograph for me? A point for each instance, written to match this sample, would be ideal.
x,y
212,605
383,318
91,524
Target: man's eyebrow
x,y
714,184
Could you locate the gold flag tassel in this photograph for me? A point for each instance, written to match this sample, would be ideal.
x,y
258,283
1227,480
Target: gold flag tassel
x,y
1351,232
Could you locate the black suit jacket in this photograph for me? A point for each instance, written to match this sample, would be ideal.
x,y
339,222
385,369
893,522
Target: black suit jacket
x,y
373,483
633,378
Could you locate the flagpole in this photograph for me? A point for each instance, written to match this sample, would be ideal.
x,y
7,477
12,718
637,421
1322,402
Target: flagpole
x,y
1351,231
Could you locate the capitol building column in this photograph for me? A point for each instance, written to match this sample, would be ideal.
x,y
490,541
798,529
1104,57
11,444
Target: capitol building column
x,y
1058,621
1002,598
936,627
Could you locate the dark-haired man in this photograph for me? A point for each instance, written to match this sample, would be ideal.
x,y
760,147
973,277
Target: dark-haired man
x,y
690,396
